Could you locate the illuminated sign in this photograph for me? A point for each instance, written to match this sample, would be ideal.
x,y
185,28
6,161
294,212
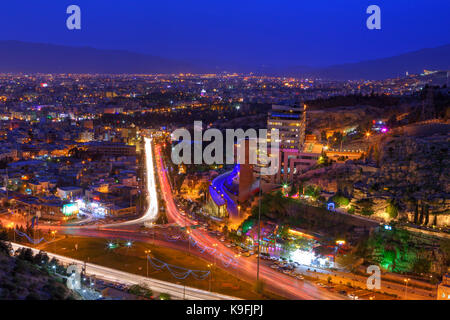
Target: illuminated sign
x,y
70,209
300,234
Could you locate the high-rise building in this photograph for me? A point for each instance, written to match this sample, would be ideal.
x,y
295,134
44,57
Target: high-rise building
x,y
290,122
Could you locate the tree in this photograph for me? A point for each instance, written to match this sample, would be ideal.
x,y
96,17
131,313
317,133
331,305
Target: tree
x,y
422,265
348,260
323,160
41,258
444,245
225,230
392,209
5,247
366,206
340,200
312,191
25,254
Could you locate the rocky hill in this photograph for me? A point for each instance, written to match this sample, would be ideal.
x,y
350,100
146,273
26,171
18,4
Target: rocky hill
x,y
403,177
21,278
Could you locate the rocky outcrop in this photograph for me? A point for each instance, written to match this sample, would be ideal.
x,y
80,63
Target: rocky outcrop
x,y
412,171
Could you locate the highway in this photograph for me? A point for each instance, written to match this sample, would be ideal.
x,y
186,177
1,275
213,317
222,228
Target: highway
x,y
100,272
242,267
151,213
246,267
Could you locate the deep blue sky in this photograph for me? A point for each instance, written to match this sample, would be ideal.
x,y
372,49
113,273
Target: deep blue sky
x,y
277,32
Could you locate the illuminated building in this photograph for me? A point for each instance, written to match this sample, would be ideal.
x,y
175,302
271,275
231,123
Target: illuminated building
x,y
443,292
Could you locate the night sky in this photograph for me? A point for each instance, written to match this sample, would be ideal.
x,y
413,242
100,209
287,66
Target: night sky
x,y
257,32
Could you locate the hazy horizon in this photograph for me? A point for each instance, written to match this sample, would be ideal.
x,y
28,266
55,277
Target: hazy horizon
x,y
253,33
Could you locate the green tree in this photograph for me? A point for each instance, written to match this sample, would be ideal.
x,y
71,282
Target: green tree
x,y
392,209
340,200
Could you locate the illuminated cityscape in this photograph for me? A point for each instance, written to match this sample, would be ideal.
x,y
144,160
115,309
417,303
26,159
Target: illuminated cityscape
x,y
95,204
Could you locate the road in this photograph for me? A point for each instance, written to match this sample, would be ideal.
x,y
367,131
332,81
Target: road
x,y
100,272
217,189
275,281
242,267
151,213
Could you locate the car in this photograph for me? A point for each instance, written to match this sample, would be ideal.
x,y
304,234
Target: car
x,y
320,284
274,266
352,296
342,292
300,277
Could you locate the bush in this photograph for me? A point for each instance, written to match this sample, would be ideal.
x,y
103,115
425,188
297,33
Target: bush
x,y
141,291
392,210
366,206
367,212
164,296
341,201
25,254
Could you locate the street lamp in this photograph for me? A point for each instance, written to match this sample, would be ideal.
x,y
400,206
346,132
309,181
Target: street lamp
x,y
147,252
189,240
406,288
54,242
215,246
210,275
237,256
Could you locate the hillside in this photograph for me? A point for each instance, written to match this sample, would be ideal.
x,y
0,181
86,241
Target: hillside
x,y
22,279
17,57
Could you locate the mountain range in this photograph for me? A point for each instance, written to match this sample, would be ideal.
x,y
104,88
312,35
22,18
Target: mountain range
x,y
25,57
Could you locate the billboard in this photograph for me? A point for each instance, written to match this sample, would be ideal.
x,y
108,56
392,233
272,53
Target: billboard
x,y
70,209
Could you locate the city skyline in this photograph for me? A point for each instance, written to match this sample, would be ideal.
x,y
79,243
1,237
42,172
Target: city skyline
x,y
205,150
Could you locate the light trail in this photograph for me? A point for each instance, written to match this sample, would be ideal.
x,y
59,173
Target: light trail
x,y
278,282
175,290
151,214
